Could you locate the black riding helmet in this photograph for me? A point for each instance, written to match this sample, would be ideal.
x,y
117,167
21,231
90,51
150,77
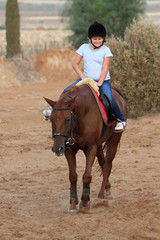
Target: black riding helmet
x,y
96,29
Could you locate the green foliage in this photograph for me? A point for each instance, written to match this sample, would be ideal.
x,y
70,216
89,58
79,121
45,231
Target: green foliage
x,y
135,67
12,28
116,15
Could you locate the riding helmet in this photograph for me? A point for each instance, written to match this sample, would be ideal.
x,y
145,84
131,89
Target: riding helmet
x,y
96,29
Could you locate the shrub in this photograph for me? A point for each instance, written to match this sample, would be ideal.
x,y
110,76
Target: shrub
x,y
135,67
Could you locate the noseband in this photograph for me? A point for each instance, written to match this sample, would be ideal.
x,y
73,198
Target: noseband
x,y
70,140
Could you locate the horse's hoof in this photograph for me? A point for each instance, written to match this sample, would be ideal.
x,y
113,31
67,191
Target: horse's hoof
x,y
108,197
73,211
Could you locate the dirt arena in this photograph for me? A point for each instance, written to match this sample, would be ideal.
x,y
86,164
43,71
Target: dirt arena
x,y
34,186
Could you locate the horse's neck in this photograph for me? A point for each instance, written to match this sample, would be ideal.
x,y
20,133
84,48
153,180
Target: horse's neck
x,y
83,96
85,100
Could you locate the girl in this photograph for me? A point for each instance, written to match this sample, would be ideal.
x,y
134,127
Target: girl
x,y
96,58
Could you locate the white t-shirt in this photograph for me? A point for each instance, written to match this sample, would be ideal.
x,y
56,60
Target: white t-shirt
x,y
93,60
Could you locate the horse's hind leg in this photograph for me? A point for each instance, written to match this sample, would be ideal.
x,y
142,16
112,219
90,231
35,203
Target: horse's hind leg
x,y
111,149
71,159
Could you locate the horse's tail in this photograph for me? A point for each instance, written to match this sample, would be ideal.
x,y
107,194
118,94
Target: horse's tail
x,y
117,90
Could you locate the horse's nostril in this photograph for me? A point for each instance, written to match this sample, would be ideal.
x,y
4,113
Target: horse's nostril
x,y
61,150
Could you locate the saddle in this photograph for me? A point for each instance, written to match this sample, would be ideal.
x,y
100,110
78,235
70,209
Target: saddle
x,y
104,104
108,108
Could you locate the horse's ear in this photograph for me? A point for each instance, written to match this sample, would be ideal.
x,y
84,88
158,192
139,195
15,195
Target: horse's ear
x,y
71,101
50,102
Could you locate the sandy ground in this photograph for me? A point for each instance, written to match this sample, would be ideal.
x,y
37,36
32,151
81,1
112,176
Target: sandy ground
x,y
34,185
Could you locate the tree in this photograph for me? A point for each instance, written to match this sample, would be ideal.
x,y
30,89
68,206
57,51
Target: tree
x,y
12,28
115,15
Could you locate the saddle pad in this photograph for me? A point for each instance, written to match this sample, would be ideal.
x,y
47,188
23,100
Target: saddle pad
x,y
90,82
102,109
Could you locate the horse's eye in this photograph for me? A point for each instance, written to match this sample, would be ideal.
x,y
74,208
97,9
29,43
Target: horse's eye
x,y
67,120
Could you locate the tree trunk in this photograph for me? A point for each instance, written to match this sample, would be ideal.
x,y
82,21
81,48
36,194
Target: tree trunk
x,y
12,29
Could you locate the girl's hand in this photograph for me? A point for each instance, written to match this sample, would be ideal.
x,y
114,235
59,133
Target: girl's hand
x,y
98,84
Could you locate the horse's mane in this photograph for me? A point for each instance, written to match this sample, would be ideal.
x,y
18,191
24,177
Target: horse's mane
x,y
69,94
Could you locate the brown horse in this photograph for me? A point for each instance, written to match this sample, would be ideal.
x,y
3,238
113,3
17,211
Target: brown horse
x,y
77,125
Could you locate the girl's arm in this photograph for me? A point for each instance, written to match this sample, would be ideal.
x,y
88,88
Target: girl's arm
x,y
75,64
105,68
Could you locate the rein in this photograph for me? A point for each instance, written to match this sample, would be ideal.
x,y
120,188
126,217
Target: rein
x,y
70,141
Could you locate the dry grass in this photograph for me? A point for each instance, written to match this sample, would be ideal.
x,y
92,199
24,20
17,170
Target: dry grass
x,y
35,41
7,77
56,64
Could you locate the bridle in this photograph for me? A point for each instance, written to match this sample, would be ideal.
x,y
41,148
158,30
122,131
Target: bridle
x,y
70,139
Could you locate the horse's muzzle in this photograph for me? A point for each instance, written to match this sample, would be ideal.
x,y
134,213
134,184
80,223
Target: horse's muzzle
x,y
59,152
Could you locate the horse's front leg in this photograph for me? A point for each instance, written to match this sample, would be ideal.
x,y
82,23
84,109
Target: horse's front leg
x,y
90,154
71,159
100,156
